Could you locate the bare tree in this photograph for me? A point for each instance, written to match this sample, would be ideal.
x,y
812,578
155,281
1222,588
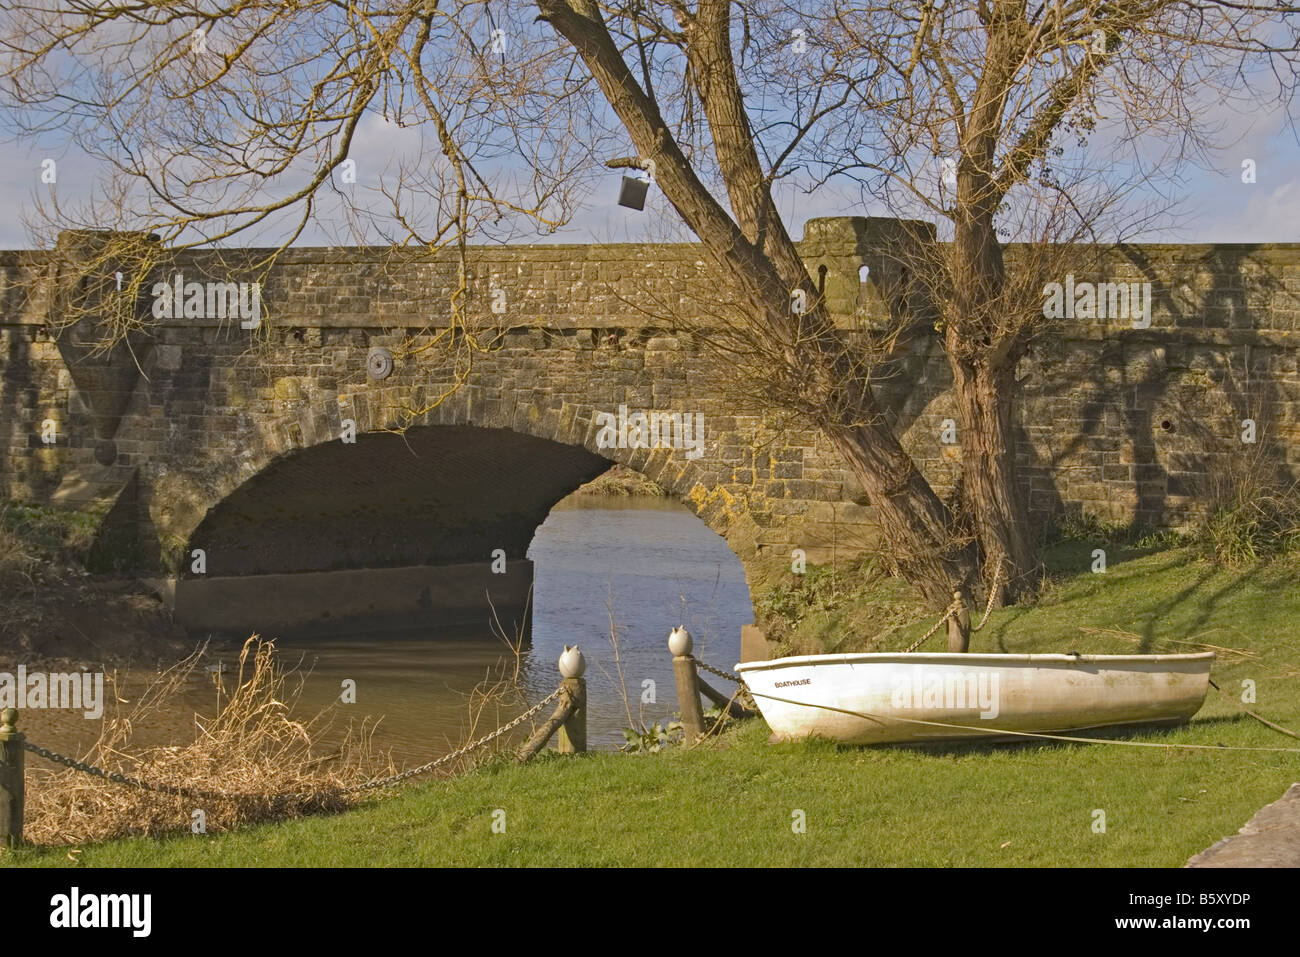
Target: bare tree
x,y
208,110
754,254
1001,119
1039,123
212,125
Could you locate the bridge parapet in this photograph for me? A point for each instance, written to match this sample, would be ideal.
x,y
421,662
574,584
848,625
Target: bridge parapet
x,y
163,433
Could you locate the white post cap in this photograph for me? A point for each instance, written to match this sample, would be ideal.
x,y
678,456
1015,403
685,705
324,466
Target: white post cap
x,y
680,642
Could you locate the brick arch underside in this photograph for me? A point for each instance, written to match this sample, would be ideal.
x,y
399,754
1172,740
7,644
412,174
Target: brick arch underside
x,y
437,494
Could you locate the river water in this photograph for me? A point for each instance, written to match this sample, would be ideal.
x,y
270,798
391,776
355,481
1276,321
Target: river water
x,y
650,564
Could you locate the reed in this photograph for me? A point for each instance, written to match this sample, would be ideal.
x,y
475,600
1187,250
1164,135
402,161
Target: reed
x,y
266,762
498,697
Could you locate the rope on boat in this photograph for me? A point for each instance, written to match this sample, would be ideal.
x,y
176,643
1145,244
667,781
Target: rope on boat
x,y
1026,734
1263,721
988,609
722,718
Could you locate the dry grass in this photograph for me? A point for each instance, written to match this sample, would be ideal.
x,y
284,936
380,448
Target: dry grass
x,y
1252,497
622,481
263,761
497,698
1250,523
252,751
1173,646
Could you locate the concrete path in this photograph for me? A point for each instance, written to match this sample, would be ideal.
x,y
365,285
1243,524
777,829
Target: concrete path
x,y
1270,839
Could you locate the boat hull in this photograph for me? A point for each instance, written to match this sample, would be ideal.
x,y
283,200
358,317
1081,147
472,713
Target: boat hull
x,y
892,698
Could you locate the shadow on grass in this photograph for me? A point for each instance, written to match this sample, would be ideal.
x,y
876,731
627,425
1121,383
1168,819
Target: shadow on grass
x,y
1083,592
1066,559
1206,604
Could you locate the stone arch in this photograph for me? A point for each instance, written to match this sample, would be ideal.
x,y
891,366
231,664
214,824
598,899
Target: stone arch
x,y
181,500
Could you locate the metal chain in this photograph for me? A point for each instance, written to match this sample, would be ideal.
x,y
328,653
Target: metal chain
x,y
993,592
951,610
720,673
422,769
742,690
118,778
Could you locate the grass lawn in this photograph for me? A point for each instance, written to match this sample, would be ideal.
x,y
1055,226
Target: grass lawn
x,y
733,802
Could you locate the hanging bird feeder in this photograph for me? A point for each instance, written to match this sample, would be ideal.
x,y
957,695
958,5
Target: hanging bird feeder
x,y
636,186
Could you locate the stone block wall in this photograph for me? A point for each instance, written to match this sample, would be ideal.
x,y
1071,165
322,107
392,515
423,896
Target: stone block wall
x,y
1132,425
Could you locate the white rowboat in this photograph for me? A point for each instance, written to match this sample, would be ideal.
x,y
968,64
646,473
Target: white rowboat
x,y
891,698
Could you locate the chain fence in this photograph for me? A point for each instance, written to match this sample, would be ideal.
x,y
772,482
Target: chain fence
x,y
187,792
719,672
951,610
955,607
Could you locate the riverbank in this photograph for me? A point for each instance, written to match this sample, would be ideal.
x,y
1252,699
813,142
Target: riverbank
x,y
623,481
56,614
736,801
647,561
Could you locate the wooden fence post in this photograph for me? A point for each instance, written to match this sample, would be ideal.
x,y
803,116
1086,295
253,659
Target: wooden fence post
x,y
573,733
680,644
570,717
11,779
959,625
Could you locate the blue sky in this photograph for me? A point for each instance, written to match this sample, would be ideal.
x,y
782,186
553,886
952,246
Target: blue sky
x,y
1213,203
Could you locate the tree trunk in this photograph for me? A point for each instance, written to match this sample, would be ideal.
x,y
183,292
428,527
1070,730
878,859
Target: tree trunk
x,y
984,345
998,506
759,260
916,526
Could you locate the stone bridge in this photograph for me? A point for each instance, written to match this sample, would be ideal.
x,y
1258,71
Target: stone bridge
x,y
312,448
